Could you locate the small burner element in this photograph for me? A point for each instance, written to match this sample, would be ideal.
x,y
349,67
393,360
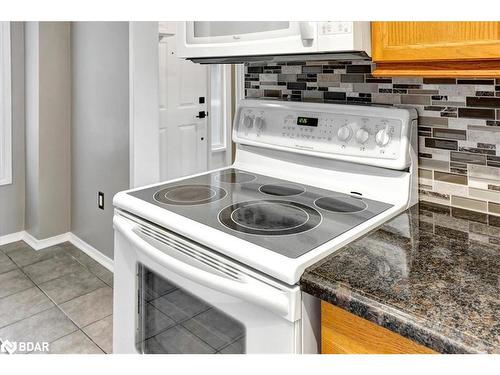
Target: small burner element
x,y
341,203
185,195
270,217
233,177
282,190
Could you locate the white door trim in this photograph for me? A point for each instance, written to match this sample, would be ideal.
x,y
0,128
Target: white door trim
x,y
225,112
144,143
228,113
6,103
240,83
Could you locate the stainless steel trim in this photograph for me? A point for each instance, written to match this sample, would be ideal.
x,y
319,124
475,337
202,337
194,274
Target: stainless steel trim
x,y
345,55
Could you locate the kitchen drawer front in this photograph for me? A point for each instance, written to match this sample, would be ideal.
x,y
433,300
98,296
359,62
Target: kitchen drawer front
x,y
345,333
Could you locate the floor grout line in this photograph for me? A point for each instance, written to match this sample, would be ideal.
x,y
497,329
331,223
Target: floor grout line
x,y
35,285
27,317
79,330
38,284
69,254
87,267
85,333
19,291
30,264
78,326
53,302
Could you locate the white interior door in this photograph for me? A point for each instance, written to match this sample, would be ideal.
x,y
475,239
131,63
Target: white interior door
x,y
184,99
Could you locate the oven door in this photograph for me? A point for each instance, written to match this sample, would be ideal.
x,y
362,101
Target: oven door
x,y
243,38
174,296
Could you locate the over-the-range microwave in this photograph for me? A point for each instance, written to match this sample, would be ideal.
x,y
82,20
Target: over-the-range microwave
x,y
242,41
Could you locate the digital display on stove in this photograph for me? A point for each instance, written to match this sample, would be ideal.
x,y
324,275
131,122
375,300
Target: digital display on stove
x,y
307,121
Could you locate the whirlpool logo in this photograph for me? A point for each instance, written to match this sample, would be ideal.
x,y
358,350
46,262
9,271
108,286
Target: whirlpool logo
x,y
11,347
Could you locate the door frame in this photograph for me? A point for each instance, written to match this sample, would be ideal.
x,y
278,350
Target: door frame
x,y
226,114
144,152
144,147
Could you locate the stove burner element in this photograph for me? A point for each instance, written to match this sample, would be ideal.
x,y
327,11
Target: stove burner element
x,y
185,195
270,217
341,203
234,177
263,218
282,190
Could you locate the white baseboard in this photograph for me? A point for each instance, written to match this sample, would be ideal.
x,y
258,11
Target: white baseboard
x,y
12,237
75,240
46,242
91,251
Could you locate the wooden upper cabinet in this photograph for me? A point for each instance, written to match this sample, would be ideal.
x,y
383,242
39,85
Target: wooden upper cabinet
x,y
436,48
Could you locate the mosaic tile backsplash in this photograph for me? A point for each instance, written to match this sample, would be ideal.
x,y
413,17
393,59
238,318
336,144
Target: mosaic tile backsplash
x,y
459,120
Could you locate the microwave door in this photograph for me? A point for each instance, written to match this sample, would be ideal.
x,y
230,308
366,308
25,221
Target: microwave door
x,y
219,39
215,29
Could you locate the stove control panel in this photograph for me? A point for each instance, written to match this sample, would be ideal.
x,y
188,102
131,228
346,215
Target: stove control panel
x,y
350,132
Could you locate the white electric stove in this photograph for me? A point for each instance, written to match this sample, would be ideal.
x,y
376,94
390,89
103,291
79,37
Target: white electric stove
x,y
210,263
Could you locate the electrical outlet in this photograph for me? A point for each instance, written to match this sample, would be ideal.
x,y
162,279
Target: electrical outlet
x,y
100,200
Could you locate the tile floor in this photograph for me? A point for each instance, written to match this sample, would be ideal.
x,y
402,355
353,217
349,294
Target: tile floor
x,y
57,295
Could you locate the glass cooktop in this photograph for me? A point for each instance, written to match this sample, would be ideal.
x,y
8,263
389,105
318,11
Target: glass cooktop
x,y
287,218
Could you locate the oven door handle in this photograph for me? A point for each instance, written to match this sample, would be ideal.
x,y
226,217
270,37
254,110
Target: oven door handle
x,y
247,288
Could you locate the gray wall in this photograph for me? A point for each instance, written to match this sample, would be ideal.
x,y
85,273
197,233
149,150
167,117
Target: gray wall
x,y
31,103
48,124
55,126
12,196
100,127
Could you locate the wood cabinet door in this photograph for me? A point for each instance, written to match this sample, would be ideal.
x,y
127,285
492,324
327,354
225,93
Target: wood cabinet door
x,y
345,333
435,41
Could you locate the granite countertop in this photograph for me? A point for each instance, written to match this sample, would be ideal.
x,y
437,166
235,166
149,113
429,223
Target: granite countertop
x,y
431,274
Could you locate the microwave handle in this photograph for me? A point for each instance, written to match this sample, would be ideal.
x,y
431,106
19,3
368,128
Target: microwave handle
x,y
248,289
307,33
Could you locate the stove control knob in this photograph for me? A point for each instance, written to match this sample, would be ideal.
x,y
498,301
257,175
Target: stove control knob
x,y
259,122
382,137
362,135
248,121
344,133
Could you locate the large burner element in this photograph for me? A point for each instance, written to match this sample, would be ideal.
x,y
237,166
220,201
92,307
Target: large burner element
x,y
281,190
270,217
341,203
186,195
235,177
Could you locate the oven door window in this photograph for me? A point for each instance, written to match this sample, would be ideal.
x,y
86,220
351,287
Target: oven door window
x,y
173,321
